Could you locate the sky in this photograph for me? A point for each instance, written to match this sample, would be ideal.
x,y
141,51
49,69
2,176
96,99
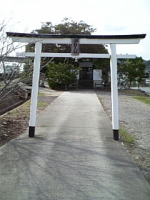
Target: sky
x,y
109,17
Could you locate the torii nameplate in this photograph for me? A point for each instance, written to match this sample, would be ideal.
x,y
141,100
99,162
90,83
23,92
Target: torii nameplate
x,y
75,47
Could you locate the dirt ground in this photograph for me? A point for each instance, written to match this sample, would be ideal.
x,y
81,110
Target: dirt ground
x,y
16,121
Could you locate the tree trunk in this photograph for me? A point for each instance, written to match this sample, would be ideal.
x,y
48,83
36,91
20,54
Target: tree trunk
x,y
130,84
4,73
138,85
66,87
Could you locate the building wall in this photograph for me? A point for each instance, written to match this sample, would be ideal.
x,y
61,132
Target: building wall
x,y
97,78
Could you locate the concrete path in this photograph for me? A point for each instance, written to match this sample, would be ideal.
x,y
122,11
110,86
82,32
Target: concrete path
x,y
72,157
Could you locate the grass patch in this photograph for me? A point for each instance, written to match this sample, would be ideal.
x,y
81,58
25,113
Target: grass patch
x,y
145,100
42,105
130,92
27,103
100,99
40,94
126,137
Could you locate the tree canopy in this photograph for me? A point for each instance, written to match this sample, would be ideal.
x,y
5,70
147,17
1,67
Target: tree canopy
x,y
67,26
132,70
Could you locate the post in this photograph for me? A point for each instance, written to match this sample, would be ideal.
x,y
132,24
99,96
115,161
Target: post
x,y
114,92
35,84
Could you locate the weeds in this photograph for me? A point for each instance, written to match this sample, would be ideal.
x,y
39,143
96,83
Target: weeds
x,y
126,137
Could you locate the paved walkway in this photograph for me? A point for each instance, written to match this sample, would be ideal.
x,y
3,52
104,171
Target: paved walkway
x,y
72,157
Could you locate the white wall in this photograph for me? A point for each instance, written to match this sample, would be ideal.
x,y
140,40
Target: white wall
x,y
97,75
78,75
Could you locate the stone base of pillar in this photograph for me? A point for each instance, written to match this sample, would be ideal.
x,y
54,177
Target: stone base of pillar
x,y
31,131
116,134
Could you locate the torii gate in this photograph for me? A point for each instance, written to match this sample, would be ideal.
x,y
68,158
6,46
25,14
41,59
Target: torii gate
x,y
75,40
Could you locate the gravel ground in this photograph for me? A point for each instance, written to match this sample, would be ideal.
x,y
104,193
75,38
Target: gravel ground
x,y
134,117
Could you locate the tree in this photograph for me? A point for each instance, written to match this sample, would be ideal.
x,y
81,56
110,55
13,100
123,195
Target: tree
x,y
140,70
61,74
10,78
131,70
6,47
67,26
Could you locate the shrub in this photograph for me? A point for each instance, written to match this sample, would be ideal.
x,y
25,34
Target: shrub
x,y
61,75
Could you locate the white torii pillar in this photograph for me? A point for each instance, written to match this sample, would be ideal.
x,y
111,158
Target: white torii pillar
x,y
35,85
114,92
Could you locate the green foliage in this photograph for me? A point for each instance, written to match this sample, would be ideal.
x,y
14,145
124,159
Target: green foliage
x,y
61,75
67,26
145,100
132,70
70,27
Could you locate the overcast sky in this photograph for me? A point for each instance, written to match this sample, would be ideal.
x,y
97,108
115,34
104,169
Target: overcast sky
x,y
107,16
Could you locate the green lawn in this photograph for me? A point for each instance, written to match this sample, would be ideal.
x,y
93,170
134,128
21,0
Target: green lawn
x,y
145,100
